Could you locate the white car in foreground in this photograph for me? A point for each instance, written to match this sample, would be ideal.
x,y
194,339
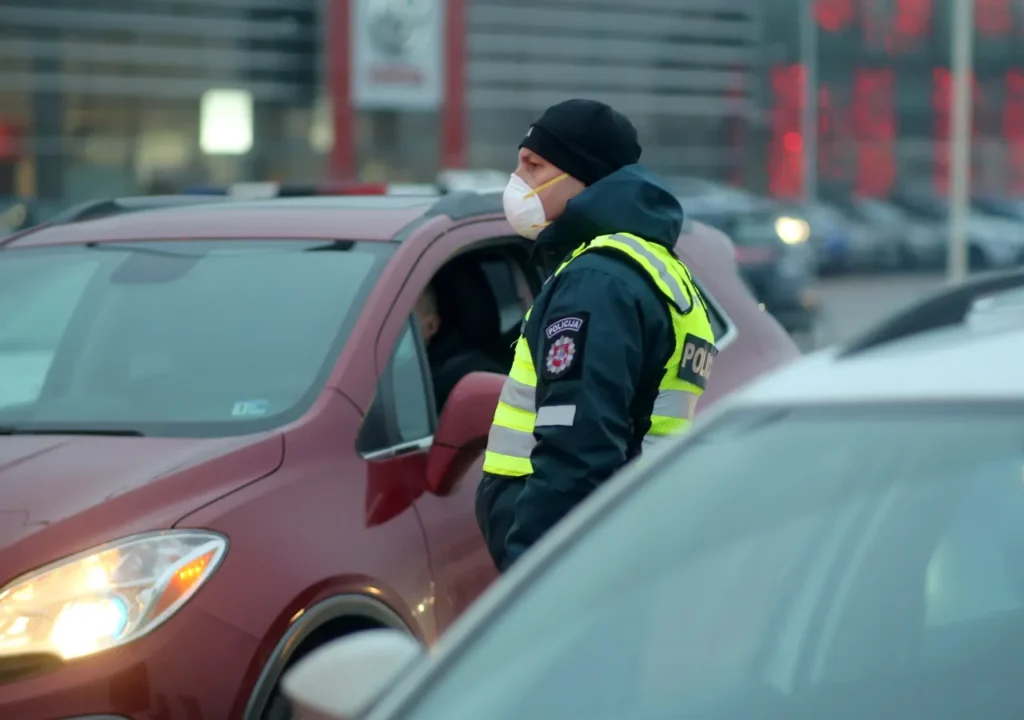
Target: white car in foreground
x,y
843,539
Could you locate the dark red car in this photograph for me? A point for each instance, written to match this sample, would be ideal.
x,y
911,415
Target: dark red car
x,y
219,445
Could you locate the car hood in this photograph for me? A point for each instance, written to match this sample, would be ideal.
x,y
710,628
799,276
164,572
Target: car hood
x,y
62,494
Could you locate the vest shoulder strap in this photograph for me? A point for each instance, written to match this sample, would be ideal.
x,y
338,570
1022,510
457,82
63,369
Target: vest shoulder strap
x,y
654,260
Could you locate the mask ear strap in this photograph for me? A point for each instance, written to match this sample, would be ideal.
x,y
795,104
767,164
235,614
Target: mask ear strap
x,y
548,184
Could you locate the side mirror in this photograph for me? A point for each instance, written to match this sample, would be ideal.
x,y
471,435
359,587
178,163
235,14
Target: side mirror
x,y
343,679
463,426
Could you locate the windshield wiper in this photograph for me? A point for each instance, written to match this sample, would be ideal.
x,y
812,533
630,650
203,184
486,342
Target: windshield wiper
x,y
16,430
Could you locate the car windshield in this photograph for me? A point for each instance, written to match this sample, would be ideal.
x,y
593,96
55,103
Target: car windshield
x,y
879,212
926,206
784,565
1001,207
174,337
828,214
753,229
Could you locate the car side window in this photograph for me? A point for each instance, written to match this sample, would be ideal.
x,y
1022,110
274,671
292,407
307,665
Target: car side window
x,y
509,290
403,408
721,325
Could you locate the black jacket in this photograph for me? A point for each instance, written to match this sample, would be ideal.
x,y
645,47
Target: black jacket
x,y
601,335
451,360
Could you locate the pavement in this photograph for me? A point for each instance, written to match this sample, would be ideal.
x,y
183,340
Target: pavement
x,y
851,304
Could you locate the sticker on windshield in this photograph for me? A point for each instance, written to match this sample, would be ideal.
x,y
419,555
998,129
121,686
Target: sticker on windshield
x,y
250,408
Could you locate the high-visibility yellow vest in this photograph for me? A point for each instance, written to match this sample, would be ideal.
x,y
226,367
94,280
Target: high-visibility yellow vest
x,y
511,441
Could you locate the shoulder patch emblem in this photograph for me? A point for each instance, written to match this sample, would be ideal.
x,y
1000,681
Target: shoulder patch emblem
x,y
695,365
563,344
560,355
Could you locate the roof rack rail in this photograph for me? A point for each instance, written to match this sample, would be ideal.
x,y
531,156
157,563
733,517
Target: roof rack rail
x,y
464,204
947,307
95,209
272,190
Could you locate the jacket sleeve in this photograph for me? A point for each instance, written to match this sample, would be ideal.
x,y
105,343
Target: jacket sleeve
x,y
588,352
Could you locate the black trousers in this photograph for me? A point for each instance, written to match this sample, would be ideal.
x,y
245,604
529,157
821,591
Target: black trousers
x,y
495,510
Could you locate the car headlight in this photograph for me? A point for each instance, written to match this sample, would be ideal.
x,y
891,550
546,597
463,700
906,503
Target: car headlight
x,y
106,596
791,230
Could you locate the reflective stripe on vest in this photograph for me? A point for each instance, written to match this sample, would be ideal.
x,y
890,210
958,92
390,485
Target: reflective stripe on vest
x,y
653,264
511,439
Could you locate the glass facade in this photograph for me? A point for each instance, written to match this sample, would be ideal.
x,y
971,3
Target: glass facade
x,y
682,70
884,94
102,97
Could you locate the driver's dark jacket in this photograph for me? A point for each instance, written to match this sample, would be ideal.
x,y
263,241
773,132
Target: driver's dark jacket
x,y
451,360
630,339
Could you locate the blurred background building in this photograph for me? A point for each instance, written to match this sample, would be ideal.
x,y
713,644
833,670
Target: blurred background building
x,y
108,97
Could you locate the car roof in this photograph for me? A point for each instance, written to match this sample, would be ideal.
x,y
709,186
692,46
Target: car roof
x,y
357,218
977,357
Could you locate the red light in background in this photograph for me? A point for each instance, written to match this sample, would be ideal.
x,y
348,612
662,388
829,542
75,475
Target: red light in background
x,y
993,17
785,163
833,135
10,142
874,126
873,92
831,130
1013,128
913,19
898,25
833,15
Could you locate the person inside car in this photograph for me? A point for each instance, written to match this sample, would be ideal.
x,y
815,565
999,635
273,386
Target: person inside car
x,y
450,357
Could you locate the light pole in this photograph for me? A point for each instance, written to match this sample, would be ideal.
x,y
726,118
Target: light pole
x,y
809,114
960,138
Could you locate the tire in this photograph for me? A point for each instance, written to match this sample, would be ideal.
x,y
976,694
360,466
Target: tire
x,y
279,707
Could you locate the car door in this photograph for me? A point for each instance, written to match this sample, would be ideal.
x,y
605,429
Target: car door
x,y
462,566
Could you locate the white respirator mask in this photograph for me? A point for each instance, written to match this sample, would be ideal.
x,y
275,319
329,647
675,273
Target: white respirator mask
x,y
523,208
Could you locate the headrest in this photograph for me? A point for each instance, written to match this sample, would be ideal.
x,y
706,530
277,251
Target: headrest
x,y
467,304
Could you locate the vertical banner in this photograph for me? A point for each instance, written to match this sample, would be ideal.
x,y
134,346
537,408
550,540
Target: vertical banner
x,y
453,114
341,163
397,54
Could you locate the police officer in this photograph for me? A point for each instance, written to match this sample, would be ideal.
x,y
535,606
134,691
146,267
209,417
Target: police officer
x,y
617,347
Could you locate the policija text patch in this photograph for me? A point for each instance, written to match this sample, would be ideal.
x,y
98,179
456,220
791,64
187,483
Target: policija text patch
x,y
562,356
698,355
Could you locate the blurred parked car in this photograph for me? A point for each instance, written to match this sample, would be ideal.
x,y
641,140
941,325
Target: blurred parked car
x,y
714,195
894,240
774,259
841,540
772,252
222,450
831,234
15,215
993,242
1003,207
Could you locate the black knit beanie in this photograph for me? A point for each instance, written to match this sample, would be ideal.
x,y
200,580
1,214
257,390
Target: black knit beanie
x,y
585,138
